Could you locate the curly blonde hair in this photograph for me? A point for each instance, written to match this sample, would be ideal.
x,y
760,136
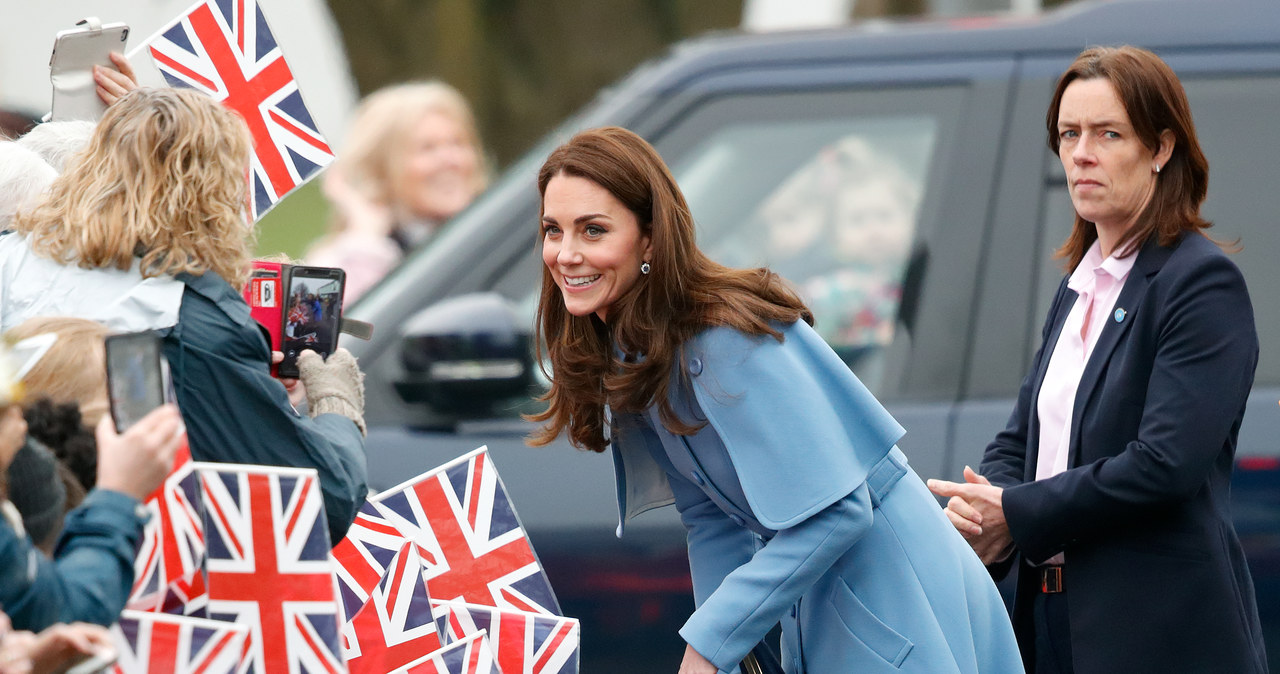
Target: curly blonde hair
x,y
164,179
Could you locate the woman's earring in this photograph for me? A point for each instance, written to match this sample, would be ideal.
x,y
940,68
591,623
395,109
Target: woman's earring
x,y
644,268
1157,168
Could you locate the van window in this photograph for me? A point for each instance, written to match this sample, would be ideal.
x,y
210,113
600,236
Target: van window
x,y
1233,117
837,218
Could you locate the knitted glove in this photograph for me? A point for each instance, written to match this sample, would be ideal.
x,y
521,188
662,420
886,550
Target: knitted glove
x,y
333,386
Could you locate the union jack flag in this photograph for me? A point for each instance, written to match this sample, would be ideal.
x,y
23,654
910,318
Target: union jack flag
x,y
396,626
471,655
523,643
469,536
154,642
225,49
267,565
364,555
168,567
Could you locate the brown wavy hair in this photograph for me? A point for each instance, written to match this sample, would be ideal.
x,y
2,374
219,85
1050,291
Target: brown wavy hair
x,y
164,179
1154,99
684,294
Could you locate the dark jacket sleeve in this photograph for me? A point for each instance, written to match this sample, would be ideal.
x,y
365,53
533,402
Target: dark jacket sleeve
x,y
1205,354
236,412
91,573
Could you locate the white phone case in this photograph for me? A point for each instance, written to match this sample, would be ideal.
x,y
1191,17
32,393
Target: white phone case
x,y
75,53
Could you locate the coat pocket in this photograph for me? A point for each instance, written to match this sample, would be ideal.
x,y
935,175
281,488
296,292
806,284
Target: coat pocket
x,y
881,639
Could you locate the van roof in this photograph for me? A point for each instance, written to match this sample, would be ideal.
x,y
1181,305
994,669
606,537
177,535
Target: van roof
x,y
1153,24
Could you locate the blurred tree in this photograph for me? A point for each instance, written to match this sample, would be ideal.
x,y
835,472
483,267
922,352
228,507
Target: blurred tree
x,y
524,64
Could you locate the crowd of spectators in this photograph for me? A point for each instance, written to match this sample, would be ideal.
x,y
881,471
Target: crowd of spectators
x,y
133,223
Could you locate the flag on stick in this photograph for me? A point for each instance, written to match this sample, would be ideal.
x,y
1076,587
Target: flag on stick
x,y
268,565
154,642
363,557
396,626
225,49
471,655
169,565
469,536
523,643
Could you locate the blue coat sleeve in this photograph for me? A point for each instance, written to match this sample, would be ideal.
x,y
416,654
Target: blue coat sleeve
x,y
91,574
751,594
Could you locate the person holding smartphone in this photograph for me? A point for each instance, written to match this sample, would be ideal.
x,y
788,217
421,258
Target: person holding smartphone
x,y
91,573
146,230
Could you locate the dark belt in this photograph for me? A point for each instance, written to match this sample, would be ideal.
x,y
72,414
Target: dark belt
x,y
1050,579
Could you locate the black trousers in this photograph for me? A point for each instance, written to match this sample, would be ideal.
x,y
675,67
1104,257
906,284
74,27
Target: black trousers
x,y
1053,634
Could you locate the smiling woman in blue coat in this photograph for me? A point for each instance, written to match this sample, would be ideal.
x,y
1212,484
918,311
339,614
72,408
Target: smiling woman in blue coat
x,y
718,396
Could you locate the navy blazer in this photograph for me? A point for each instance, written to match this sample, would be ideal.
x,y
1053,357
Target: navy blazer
x,y
1155,578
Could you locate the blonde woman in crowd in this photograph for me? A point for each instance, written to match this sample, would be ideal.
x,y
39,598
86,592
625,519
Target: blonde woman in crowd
x,y
413,159
146,230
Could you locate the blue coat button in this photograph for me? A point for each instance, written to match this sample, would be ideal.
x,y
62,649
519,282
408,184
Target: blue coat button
x,y
695,366
697,477
738,520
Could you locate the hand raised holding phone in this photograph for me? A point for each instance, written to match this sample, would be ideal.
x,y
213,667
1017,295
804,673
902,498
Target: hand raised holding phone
x,y
79,56
114,83
137,461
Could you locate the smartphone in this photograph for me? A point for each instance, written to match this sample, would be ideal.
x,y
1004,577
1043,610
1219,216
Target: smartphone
x,y
75,53
312,313
265,296
135,376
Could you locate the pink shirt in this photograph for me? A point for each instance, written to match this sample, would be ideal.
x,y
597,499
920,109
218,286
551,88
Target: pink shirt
x,y
1097,284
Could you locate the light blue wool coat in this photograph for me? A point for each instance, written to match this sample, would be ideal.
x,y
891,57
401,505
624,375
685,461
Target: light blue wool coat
x,y
801,510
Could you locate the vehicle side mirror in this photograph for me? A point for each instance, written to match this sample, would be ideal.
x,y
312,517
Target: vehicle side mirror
x,y
465,354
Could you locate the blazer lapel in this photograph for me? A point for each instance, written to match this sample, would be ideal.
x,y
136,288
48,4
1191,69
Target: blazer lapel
x,y
1150,259
1066,300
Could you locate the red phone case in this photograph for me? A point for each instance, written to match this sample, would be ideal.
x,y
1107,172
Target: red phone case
x,y
265,295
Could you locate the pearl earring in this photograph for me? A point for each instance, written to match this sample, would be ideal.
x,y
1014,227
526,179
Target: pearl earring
x,y
1157,168
645,268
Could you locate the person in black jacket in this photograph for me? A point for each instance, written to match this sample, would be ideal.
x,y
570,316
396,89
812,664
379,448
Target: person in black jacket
x,y
1110,487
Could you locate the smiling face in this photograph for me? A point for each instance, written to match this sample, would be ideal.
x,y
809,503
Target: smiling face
x,y
1110,172
441,167
591,243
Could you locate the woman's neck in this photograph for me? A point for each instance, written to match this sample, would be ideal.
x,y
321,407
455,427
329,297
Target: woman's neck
x,y
1109,236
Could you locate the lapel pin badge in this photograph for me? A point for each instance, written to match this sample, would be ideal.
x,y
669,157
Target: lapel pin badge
x,y
1120,314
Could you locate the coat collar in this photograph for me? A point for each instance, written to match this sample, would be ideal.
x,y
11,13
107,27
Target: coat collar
x,y
1151,258
212,287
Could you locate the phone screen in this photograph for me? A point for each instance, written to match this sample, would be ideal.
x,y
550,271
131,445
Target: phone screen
x,y
312,314
135,380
